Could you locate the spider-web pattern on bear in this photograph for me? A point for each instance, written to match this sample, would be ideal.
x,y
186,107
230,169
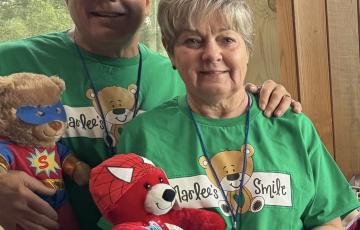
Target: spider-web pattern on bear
x,y
103,177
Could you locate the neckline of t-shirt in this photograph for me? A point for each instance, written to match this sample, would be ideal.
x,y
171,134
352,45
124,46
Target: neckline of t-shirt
x,y
226,122
106,60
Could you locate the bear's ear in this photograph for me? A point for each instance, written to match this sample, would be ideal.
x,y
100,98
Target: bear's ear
x,y
132,88
250,150
203,162
59,82
90,94
6,84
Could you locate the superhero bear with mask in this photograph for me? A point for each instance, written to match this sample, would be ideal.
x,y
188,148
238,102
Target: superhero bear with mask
x,y
32,120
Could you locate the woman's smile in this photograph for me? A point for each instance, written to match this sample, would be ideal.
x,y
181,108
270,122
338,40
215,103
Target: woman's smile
x,y
214,73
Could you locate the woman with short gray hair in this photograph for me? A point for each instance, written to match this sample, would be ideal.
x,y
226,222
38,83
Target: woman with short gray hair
x,y
217,148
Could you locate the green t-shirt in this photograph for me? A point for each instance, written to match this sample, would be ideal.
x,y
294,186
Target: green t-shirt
x,y
291,181
114,79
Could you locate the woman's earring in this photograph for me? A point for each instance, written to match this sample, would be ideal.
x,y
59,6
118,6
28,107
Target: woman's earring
x,y
147,21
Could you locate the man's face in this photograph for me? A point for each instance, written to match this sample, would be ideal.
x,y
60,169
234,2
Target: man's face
x,y
108,20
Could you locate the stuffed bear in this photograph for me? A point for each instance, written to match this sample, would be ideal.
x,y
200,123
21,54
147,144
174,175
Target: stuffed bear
x,y
133,194
32,120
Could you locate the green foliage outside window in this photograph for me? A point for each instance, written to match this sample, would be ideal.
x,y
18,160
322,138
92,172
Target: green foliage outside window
x,y
26,18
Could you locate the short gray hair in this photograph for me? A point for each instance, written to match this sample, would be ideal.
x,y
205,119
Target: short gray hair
x,y
176,15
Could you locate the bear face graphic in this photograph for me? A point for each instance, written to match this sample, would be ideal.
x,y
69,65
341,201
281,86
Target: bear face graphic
x,y
117,105
228,166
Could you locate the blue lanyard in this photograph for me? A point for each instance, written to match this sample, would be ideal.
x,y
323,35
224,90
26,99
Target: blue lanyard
x,y
206,154
92,86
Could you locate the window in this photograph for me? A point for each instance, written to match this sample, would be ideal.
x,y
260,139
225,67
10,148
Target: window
x,y
26,18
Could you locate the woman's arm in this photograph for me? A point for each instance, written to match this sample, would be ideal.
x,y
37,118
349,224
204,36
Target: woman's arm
x,y
334,224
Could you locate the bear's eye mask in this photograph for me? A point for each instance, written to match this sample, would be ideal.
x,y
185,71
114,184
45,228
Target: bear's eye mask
x,y
38,115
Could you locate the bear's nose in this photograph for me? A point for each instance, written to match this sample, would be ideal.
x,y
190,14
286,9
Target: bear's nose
x,y
232,177
56,125
168,195
119,111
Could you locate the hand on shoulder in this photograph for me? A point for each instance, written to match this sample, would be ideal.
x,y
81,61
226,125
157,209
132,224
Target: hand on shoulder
x,y
274,99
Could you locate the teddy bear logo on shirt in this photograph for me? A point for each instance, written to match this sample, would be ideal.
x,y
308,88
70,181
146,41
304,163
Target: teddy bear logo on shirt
x,y
228,167
117,105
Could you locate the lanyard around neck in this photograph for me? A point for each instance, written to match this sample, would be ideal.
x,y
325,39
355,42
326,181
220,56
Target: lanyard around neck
x,y
108,138
206,154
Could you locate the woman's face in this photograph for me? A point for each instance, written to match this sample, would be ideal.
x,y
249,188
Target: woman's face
x,y
108,20
212,60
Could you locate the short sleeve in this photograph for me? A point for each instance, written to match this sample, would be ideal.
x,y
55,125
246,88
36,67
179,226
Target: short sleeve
x,y
334,196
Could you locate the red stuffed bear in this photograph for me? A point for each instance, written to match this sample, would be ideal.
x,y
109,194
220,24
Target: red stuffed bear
x,y
134,194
